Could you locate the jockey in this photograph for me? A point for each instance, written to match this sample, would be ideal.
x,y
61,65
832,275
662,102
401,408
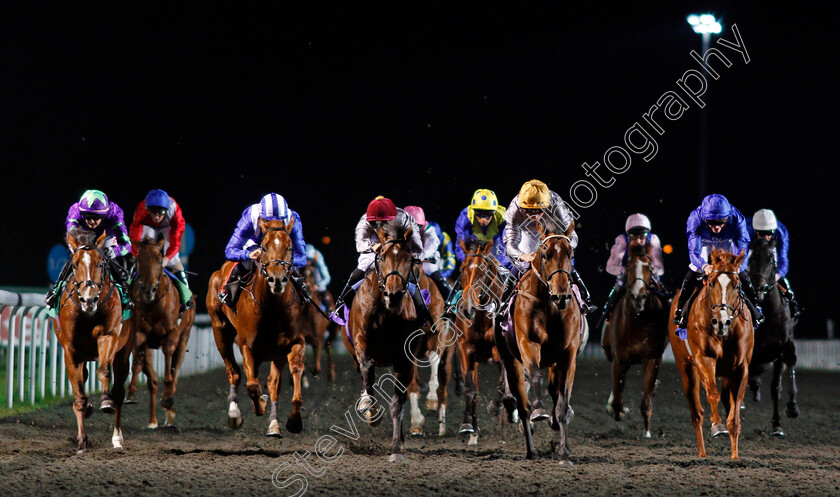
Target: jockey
x,y
447,262
765,225
636,233
159,214
431,255
536,209
321,273
93,212
715,224
244,244
381,212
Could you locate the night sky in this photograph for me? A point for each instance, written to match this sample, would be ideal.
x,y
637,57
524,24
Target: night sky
x,y
331,108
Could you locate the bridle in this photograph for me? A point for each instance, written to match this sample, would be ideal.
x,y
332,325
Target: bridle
x,y
75,292
382,279
736,313
264,266
556,271
762,291
491,263
157,283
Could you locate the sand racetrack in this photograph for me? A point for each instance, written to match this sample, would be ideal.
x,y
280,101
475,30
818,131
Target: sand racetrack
x,y
205,457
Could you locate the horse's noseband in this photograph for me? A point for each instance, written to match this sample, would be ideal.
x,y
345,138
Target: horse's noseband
x,y
382,279
264,266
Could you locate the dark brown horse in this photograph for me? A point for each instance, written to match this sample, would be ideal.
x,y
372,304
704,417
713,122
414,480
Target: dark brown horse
x,y
547,333
774,342
476,322
265,323
637,333
89,328
320,331
719,345
382,323
157,325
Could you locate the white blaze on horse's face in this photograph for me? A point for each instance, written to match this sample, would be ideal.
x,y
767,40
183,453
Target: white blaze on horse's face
x,y
725,319
88,294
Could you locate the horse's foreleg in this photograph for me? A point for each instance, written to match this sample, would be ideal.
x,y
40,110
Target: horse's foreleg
x,y
417,418
516,379
651,371
108,346
136,369
251,367
168,403
432,399
274,377
789,357
776,395
565,377
169,377
706,370
152,385
691,388
81,408
366,405
295,358
403,373
328,345
737,387
531,361
615,404
121,370
444,374
225,335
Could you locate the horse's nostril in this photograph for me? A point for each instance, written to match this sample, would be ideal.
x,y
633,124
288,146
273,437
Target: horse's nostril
x,y
714,322
728,322
285,279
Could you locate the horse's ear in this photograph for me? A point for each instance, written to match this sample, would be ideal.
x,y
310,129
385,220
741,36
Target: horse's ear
x,y
570,229
161,241
290,224
408,233
739,260
72,242
463,245
262,224
648,249
713,256
100,242
381,234
488,246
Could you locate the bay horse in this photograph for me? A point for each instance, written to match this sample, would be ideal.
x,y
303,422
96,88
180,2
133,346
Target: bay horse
x,y
88,327
548,330
774,342
637,333
475,321
265,323
320,331
719,344
382,322
157,325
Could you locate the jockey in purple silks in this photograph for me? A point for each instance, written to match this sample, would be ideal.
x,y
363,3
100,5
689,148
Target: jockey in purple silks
x,y
244,244
764,224
93,212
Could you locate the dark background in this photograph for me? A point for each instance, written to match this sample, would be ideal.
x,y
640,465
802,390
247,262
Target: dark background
x,y
330,108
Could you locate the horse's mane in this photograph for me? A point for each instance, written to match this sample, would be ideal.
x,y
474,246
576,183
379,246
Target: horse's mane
x,y
393,232
762,244
147,240
725,261
83,236
475,245
637,251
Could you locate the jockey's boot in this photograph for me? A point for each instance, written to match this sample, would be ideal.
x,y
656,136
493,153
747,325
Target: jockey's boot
x,y
423,313
615,294
347,293
119,274
230,290
686,290
51,298
300,285
748,292
184,291
452,301
443,285
507,292
790,298
584,293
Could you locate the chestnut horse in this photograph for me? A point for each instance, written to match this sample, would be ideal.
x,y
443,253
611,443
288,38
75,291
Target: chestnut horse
x,y
316,325
774,338
157,325
265,323
637,333
547,333
719,344
89,328
382,324
475,321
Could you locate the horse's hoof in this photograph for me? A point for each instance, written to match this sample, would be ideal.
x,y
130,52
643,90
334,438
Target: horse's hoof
x,y
553,423
431,404
777,432
234,416
305,382
170,428
274,429
88,411
647,434
416,431
522,427
539,415
566,462
473,439
396,458
130,400
79,452
792,410
743,406
294,424
757,396
107,406
167,404
151,426
513,417
441,429
375,419
719,430
466,428
493,407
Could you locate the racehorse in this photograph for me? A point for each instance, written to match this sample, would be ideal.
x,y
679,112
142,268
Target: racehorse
x,y
157,325
719,344
637,333
265,323
475,322
548,330
382,322
774,338
89,328
316,325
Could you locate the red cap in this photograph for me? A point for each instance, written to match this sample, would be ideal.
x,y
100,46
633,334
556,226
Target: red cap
x,y
381,209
